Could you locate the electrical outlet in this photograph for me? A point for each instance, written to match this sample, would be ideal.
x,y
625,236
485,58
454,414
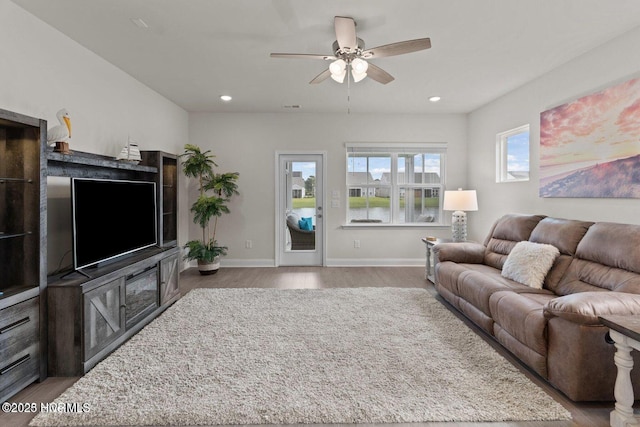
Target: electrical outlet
x,y
248,244
356,244
335,203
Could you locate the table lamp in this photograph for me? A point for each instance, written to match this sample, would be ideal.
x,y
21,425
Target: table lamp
x,y
460,201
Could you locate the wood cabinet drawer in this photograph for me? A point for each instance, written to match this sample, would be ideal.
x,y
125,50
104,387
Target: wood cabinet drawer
x,y
18,328
22,368
19,344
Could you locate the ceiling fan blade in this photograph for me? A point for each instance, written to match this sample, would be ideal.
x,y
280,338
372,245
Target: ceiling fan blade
x,y
379,75
398,48
303,56
321,77
345,32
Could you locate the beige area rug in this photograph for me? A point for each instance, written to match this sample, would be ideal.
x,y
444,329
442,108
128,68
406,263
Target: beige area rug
x,y
266,356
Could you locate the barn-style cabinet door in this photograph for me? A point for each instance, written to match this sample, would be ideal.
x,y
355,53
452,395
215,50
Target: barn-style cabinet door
x,y
169,285
104,313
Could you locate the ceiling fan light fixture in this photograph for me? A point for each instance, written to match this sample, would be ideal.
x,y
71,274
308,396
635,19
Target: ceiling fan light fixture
x,y
359,69
357,76
338,70
339,77
359,66
337,67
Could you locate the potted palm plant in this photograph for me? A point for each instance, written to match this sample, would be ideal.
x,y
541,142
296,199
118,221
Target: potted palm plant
x,y
215,191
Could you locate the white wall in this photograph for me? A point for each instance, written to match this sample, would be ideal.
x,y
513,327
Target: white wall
x,y
43,70
247,143
610,63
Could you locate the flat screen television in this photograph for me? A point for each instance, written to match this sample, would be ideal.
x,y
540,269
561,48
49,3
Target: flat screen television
x,y
111,218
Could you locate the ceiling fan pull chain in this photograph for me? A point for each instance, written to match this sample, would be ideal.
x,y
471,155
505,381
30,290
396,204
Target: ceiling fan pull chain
x,y
348,92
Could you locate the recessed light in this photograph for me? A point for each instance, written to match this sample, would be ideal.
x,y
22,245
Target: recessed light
x,y
138,22
434,98
225,98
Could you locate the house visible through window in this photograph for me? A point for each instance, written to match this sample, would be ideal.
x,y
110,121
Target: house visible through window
x,y
395,185
512,155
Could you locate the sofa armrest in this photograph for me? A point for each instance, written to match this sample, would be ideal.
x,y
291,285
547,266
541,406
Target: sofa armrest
x,y
462,252
585,307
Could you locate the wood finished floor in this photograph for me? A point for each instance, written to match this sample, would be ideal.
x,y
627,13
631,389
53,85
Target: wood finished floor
x,y
584,415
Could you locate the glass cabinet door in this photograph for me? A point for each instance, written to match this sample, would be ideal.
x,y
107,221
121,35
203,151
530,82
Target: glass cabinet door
x,y
141,296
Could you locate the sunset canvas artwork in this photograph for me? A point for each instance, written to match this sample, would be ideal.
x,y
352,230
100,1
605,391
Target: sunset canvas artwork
x,y
590,147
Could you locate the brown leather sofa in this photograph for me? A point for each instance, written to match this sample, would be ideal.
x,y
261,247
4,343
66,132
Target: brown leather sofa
x,y
554,330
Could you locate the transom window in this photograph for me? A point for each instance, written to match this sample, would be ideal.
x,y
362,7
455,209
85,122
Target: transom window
x,y
395,185
512,155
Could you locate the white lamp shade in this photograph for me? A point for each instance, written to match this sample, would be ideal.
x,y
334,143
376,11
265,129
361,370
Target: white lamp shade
x,y
337,67
357,76
339,77
460,200
338,70
359,66
359,69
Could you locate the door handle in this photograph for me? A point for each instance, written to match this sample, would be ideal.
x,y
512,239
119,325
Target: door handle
x,y
319,208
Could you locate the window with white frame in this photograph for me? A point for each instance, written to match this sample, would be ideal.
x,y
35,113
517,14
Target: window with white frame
x,y
512,155
389,184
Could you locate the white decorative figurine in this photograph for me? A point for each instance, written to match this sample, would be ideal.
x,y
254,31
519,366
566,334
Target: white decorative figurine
x,y
60,134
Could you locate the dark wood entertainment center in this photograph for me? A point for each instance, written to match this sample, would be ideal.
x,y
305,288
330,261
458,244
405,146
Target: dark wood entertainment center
x,y
55,326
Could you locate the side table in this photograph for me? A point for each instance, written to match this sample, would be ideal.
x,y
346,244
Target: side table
x,y
429,271
625,333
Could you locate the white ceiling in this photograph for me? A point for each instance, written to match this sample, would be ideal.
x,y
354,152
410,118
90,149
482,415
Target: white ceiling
x,y
196,50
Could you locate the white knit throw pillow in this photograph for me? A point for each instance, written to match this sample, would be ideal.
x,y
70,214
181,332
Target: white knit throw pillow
x,y
528,263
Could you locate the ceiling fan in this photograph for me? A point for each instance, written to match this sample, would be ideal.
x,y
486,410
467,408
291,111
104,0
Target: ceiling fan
x,y
349,52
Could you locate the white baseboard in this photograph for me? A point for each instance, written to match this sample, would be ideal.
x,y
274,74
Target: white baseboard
x,y
335,262
376,262
230,262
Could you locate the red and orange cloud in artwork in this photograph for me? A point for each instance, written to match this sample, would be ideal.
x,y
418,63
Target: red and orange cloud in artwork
x,y
591,130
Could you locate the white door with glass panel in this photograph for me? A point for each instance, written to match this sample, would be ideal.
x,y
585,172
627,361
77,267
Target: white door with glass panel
x,y
299,217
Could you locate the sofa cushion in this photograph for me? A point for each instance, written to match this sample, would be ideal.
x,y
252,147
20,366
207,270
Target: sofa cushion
x,y
505,233
449,274
564,234
614,245
475,283
607,258
528,263
293,219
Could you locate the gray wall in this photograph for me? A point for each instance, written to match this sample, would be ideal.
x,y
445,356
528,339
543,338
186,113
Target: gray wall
x,y
601,67
43,71
48,71
247,143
